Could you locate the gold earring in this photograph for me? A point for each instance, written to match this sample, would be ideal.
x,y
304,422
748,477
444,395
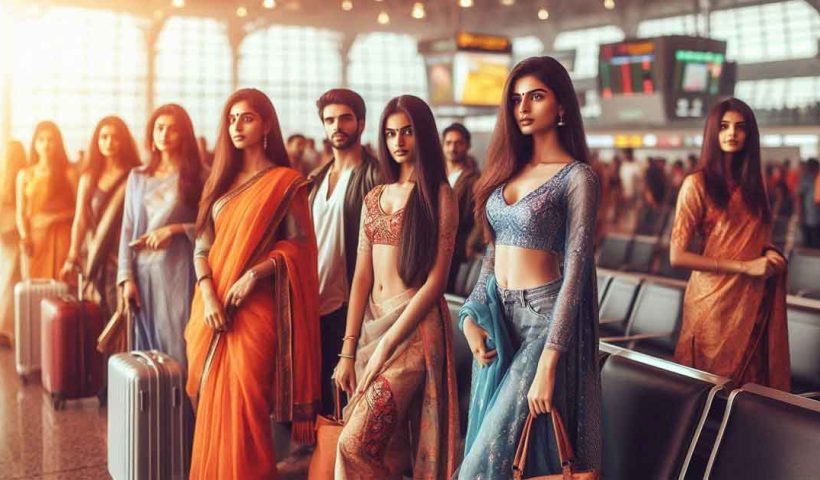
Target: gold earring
x,y
561,120
265,143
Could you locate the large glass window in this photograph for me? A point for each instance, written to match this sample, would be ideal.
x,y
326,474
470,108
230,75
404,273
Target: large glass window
x,y
294,66
193,69
382,66
680,25
74,66
585,43
778,93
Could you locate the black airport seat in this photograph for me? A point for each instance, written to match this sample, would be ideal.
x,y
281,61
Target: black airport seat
x,y
616,305
767,434
804,272
614,251
654,415
665,268
655,319
804,343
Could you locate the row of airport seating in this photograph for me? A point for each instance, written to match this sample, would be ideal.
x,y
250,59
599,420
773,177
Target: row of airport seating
x,y
650,254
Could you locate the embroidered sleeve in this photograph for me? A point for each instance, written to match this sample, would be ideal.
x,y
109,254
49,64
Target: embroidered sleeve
x,y
689,211
364,239
479,293
582,208
202,247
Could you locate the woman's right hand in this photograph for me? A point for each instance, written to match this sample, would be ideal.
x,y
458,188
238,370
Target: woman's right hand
x,y
760,267
131,295
215,316
477,340
345,375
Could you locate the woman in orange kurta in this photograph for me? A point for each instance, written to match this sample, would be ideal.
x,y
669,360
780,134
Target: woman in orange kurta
x,y
734,311
254,318
45,204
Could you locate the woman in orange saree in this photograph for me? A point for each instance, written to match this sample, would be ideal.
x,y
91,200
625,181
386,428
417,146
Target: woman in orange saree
x,y
734,311
45,204
254,318
396,361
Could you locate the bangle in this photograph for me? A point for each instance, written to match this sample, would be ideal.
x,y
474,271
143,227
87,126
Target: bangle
x,y
345,355
349,337
717,265
203,277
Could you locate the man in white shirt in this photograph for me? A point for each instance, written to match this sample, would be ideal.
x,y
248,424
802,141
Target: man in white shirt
x,y
337,192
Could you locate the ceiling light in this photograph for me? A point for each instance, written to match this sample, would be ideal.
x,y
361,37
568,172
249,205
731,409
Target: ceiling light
x,y
347,5
241,12
507,3
418,11
178,3
269,4
383,18
609,4
465,3
543,14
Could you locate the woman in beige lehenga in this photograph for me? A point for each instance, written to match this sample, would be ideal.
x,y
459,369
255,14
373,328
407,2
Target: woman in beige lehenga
x,y
396,358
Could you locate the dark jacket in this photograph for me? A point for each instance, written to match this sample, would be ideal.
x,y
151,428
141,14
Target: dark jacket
x,y
463,190
363,179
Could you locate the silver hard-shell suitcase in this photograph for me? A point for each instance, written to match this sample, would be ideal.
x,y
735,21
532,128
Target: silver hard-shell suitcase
x,y
27,297
149,417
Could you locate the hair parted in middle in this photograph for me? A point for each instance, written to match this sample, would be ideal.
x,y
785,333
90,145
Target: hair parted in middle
x,y
128,157
228,159
509,149
190,167
419,235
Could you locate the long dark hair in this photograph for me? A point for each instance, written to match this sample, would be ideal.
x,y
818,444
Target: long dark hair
x,y
745,169
14,160
127,158
509,149
228,159
190,166
419,234
59,167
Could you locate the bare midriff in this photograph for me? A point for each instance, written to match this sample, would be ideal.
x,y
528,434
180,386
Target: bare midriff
x,y
387,282
521,268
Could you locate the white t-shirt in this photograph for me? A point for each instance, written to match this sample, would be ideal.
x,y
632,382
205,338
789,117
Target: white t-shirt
x,y
328,222
454,176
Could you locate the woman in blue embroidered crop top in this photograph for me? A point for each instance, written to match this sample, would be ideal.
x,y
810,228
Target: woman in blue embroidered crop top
x,y
538,200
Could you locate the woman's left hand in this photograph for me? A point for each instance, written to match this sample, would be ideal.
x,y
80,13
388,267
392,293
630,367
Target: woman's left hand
x,y
240,290
777,261
374,365
539,397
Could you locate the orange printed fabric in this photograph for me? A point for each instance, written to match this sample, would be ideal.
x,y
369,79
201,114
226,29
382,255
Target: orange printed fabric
x,y
267,361
50,214
733,325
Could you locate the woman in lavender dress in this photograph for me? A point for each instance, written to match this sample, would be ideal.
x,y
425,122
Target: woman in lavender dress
x,y
155,268
537,200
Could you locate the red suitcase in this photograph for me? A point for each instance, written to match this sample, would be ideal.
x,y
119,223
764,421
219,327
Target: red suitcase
x,y
71,365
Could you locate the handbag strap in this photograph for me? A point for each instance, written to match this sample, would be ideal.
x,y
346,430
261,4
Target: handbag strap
x,y
565,451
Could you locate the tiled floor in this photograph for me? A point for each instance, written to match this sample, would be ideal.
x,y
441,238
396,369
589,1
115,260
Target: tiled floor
x,y
38,443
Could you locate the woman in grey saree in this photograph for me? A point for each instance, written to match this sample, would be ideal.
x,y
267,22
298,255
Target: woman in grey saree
x,y
537,200
156,270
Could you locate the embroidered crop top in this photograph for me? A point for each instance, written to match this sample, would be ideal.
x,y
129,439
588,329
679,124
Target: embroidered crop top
x,y
558,216
381,228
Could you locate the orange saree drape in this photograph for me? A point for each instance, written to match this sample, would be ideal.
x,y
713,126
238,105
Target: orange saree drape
x,y
733,325
50,214
267,362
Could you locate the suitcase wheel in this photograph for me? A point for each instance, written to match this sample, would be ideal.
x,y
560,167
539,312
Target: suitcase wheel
x,y
57,401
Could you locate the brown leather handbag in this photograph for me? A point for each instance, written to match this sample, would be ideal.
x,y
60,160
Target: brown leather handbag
x,y
565,452
328,429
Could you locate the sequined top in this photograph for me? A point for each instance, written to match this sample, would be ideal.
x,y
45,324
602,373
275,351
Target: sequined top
x,y
381,228
559,216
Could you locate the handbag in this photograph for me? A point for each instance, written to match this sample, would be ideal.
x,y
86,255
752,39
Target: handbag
x,y
328,429
115,336
565,453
